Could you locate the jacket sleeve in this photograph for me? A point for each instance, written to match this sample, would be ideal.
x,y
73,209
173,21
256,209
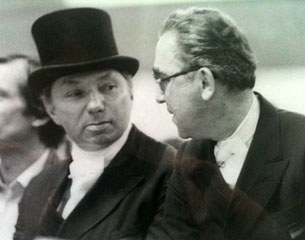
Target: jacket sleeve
x,y
176,223
155,229
196,207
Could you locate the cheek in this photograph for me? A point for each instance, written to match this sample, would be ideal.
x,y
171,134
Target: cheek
x,y
12,111
70,115
14,119
176,91
175,99
66,115
121,109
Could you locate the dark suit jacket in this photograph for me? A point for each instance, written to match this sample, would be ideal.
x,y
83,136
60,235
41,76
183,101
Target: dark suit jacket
x,y
125,203
267,201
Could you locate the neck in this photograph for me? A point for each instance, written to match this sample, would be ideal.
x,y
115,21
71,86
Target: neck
x,y
17,156
235,110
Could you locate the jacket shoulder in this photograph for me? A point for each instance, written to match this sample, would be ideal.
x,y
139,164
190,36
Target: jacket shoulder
x,y
292,126
292,118
151,150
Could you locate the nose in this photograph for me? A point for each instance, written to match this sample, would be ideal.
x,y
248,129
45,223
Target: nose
x,y
160,97
96,102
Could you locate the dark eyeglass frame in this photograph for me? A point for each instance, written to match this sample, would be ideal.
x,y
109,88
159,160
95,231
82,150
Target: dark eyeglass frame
x,y
178,74
164,81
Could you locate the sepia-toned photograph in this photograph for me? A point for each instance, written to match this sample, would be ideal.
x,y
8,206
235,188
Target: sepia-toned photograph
x,y
152,120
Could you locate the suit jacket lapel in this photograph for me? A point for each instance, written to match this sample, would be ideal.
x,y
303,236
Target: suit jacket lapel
x,y
264,166
190,158
50,219
118,179
192,153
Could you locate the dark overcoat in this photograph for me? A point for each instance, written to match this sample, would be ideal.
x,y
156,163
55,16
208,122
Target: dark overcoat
x,y
268,201
126,202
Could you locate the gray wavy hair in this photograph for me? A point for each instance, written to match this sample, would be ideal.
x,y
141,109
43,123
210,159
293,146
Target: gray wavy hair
x,y
206,37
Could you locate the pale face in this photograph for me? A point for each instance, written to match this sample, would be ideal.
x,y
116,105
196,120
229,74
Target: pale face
x,y
181,94
93,107
15,124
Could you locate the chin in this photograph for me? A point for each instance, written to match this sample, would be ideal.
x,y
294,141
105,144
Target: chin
x,y
183,134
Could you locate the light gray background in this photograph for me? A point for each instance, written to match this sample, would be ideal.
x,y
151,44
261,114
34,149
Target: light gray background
x,y
275,29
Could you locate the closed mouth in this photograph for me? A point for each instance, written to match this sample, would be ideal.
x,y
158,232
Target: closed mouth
x,y
98,123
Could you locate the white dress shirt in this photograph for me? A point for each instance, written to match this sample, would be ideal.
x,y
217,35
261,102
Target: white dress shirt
x,y
11,194
87,167
230,153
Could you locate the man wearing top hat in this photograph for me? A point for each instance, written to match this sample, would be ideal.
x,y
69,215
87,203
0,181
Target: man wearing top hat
x,y
114,185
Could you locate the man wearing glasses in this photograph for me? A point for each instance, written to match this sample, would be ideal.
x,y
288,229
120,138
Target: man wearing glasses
x,y
242,174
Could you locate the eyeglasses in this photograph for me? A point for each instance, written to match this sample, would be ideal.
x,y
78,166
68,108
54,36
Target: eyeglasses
x,y
163,82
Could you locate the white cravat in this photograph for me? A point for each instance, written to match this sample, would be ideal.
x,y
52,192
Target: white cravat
x,y
87,167
84,171
231,152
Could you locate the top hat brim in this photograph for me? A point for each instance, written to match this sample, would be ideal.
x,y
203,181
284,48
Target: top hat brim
x,y
45,76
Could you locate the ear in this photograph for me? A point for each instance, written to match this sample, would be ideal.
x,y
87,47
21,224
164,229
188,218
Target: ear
x,y
207,82
130,86
38,122
50,109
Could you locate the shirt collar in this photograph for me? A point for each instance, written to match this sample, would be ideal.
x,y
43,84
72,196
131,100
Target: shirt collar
x,y
92,159
246,128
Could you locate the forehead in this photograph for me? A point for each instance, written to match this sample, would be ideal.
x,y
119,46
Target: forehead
x,y
87,78
13,74
167,59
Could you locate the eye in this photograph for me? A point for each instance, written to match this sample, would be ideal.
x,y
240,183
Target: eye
x,y
74,94
163,84
156,76
108,88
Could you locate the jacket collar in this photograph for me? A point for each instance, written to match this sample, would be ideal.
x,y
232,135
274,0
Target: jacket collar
x,y
102,198
264,165
265,150
56,184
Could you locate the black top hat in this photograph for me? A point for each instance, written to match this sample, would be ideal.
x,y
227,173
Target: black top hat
x,y
75,40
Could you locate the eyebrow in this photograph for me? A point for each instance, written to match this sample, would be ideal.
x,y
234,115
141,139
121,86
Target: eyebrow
x,y
68,81
104,75
157,73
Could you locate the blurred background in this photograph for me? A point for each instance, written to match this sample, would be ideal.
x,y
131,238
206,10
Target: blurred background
x,y
275,29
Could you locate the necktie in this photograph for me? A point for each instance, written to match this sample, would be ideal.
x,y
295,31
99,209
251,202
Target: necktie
x,y
230,155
